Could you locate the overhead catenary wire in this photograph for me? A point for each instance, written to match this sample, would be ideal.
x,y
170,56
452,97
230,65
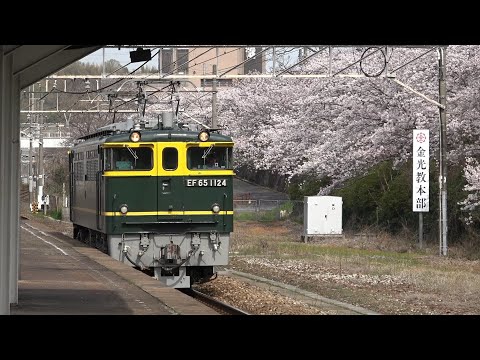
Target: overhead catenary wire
x,y
107,86
215,57
119,80
356,62
40,99
172,71
410,61
171,84
132,72
378,73
133,99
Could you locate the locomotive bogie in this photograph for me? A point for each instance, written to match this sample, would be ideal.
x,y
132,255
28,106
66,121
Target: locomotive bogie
x,y
169,255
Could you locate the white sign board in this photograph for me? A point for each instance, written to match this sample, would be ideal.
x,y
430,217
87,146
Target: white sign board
x,y
421,157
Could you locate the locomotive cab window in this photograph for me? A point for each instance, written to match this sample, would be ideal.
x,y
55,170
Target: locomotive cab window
x,y
210,158
170,158
128,158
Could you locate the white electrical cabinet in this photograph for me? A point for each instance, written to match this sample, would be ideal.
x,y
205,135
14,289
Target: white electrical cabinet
x,y
322,215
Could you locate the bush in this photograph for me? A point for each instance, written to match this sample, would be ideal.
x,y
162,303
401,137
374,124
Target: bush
x,y
306,185
383,198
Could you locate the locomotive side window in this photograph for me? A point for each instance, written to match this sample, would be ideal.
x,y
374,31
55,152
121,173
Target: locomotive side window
x,y
170,158
127,158
78,169
212,158
92,168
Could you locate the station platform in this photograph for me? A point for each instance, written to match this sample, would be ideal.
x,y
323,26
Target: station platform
x,y
62,276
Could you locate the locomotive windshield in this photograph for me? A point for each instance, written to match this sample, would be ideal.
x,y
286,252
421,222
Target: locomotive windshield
x,y
213,157
127,158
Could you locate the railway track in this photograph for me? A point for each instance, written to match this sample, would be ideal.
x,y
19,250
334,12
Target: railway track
x,y
24,194
219,306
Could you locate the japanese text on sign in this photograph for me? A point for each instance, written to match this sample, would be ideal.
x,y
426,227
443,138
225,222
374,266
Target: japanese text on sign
x,y
421,157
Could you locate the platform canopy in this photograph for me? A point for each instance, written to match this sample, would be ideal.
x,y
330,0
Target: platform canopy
x,y
20,66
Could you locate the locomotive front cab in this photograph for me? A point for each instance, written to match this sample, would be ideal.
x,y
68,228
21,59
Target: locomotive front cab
x,y
168,205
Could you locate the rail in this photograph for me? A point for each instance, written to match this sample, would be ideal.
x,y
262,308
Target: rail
x,y
219,306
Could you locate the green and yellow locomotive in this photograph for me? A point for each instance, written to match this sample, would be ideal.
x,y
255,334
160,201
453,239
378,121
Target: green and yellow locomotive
x,y
156,196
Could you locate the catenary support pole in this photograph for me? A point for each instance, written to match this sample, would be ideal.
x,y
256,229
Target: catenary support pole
x,y
14,182
214,99
443,152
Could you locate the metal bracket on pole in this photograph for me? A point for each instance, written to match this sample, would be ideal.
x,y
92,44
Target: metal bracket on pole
x,y
391,76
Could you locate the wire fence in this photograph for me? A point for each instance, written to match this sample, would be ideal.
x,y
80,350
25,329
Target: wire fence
x,y
281,220
268,210
259,221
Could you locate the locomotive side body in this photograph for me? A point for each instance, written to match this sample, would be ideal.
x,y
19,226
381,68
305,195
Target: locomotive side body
x,y
164,203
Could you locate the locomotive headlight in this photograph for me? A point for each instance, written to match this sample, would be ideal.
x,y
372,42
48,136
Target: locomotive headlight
x,y
216,208
135,136
204,135
124,209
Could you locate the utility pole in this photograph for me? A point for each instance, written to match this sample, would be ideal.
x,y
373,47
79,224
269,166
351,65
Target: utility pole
x,y
160,72
40,162
64,195
442,176
443,152
420,230
214,98
40,175
103,62
274,60
34,166
30,153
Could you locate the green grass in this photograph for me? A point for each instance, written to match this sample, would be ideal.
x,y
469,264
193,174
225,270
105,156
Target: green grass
x,y
301,250
390,269
245,216
53,214
56,214
262,216
272,215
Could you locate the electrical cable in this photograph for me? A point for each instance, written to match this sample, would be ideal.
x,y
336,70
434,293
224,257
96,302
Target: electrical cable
x,y
37,100
128,258
225,53
133,99
107,86
384,62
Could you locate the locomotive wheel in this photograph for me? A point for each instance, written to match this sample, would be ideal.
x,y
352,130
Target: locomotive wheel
x,y
90,239
104,243
80,236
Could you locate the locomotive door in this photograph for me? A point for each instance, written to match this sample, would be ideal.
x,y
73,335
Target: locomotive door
x,y
100,187
170,186
72,184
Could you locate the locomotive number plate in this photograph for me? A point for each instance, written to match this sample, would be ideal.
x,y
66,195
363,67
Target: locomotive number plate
x,y
206,182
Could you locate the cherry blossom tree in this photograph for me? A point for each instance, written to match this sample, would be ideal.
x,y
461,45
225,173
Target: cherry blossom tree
x,y
472,201
340,127
337,127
